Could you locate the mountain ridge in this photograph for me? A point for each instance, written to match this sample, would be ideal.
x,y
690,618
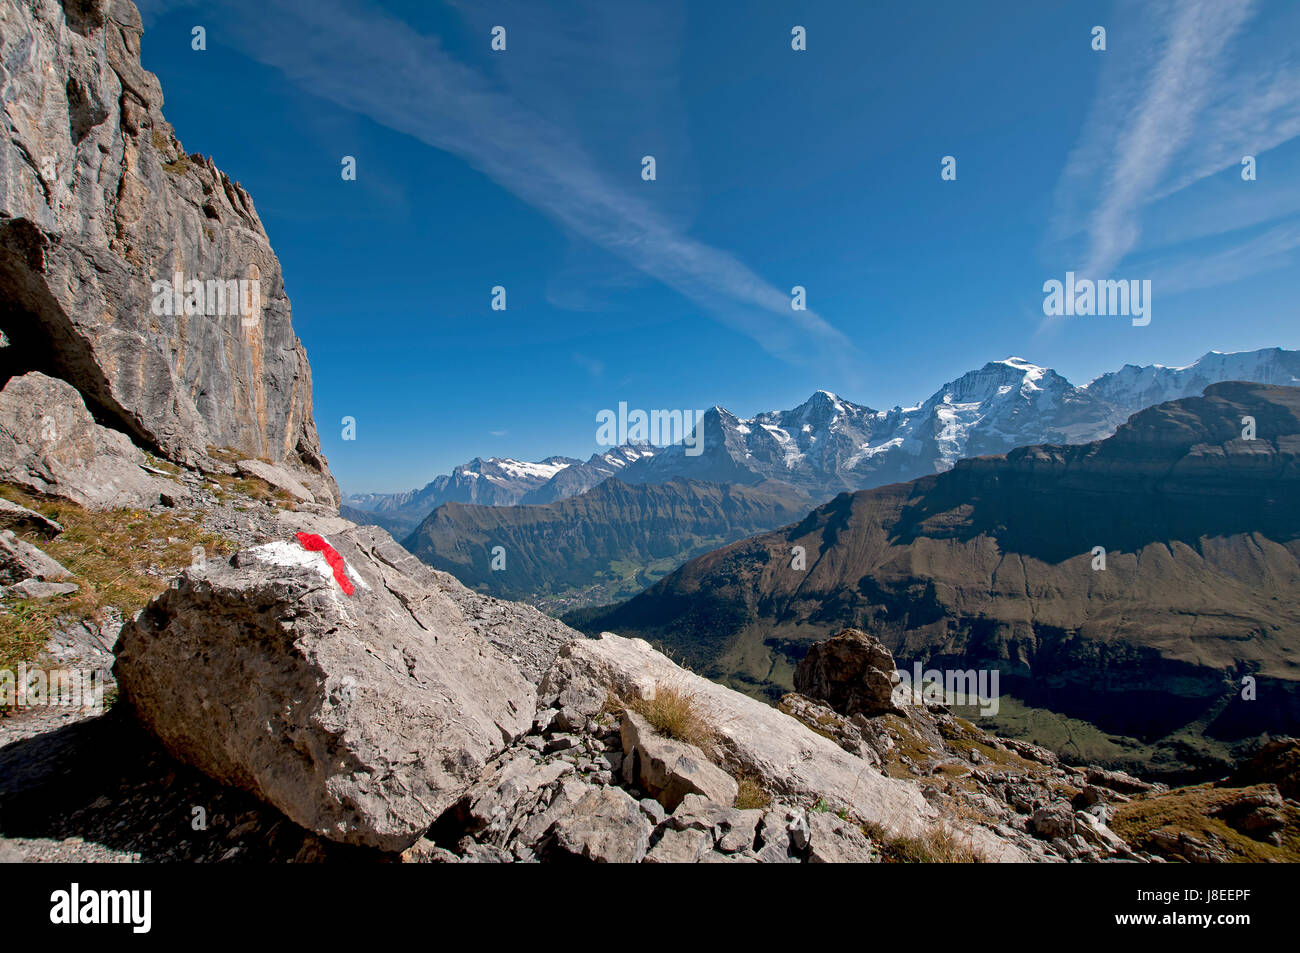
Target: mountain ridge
x,y
613,539
829,444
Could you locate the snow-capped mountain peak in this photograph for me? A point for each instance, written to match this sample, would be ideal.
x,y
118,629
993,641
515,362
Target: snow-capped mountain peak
x,y
1133,386
543,469
827,444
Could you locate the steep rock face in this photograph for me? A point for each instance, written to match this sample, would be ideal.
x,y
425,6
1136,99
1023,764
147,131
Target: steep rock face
x,y
97,202
992,565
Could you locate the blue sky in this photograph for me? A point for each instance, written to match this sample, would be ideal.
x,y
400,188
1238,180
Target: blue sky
x,y
775,168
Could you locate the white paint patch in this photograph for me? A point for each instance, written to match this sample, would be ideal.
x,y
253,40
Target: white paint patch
x,y
295,555
352,573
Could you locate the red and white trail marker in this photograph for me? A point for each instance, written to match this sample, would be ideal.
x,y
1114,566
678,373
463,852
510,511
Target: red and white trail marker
x,y
313,552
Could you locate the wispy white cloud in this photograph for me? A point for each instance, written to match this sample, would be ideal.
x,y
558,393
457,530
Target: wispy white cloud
x,y
1257,110
367,61
1222,207
1140,125
1268,251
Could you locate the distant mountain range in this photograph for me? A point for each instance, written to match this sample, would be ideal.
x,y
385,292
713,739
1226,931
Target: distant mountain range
x,y
491,481
608,545
827,444
992,565
581,477
599,546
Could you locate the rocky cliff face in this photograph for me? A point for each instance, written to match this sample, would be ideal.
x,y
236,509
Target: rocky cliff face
x,y
99,206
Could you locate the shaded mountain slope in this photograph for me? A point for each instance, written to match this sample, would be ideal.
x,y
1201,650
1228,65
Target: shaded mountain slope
x,y
612,540
990,565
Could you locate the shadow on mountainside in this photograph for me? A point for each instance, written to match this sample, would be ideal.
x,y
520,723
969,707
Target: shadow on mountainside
x,y
1177,472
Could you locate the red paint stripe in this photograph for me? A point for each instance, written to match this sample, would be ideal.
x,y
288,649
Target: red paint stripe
x,y
316,544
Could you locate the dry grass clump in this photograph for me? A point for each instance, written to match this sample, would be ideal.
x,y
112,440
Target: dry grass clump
x,y
613,705
120,558
675,713
231,488
225,454
178,166
935,846
750,793
158,463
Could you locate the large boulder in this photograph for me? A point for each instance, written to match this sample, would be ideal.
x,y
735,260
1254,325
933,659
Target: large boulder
x,y
680,847
606,826
101,209
1054,820
833,840
49,443
528,638
732,828
852,672
362,717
